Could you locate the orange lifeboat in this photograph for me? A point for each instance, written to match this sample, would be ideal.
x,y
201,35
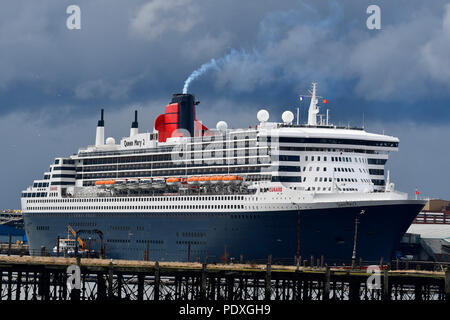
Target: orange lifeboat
x,y
237,179
216,179
227,179
192,180
204,180
104,182
232,179
173,181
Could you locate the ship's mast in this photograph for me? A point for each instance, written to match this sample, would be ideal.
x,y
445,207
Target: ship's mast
x,y
313,108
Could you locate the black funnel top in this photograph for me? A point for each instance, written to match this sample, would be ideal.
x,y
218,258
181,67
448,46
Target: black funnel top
x,y
135,123
186,111
101,122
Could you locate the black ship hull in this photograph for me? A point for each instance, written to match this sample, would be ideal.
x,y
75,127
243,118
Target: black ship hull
x,y
247,236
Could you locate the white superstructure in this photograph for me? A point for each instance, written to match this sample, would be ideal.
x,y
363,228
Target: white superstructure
x,y
315,161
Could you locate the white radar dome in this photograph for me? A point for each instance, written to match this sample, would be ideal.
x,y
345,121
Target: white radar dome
x,y
287,117
221,126
263,115
110,141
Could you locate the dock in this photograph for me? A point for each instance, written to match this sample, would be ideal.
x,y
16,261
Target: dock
x,y
47,278
14,249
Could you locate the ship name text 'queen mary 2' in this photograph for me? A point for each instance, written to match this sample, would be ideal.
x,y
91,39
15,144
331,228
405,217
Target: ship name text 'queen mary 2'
x,y
184,191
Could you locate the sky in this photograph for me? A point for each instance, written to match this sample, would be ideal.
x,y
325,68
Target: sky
x,y
134,54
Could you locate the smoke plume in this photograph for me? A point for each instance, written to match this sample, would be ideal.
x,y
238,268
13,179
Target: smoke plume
x,y
194,75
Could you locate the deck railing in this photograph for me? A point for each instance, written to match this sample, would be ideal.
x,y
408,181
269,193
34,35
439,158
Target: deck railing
x,y
433,218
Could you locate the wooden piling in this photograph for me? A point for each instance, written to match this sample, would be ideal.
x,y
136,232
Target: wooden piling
x,y
447,284
18,285
203,284
140,289
101,287
9,244
110,280
418,291
268,287
10,283
326,288
386,291
157,281
354,287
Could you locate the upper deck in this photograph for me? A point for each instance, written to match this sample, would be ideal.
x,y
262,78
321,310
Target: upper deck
x,y
317,157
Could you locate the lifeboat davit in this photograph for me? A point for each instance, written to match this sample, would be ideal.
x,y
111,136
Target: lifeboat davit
x,y
145,183
133,183
120,184
158,183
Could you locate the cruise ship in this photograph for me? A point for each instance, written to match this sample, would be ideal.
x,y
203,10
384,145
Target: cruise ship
x,y
184,192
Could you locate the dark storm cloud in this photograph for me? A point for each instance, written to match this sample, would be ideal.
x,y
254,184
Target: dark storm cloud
x,y
124,52
136,53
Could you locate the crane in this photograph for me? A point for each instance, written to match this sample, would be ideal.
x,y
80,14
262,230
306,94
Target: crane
x,y
77,237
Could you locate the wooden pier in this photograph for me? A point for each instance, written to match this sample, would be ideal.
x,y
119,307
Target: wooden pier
x,y
46,278
14,249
